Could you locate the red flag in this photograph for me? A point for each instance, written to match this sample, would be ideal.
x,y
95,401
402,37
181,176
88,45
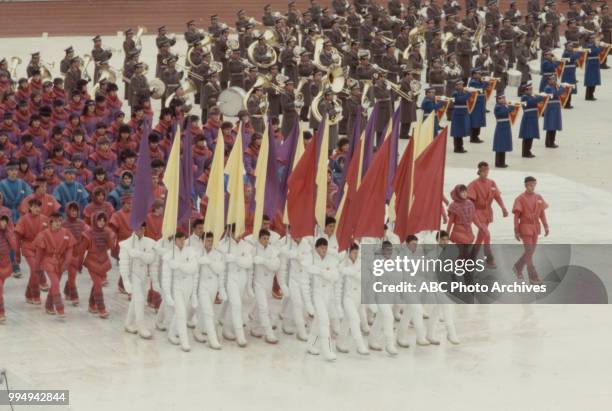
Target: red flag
x,y
428,192
344,230
368,215
403,191
301,193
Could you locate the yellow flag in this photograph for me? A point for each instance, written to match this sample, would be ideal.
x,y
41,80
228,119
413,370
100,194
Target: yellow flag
x,y
322,166
171,181
215,191
423,136
236,212
261,171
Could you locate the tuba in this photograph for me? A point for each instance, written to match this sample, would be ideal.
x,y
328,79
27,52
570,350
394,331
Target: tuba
x,y
186,87
45,70
83,67
271,52
314,109
445,39
157,88
260,82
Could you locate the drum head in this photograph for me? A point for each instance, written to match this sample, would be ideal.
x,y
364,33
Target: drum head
x,y
231,101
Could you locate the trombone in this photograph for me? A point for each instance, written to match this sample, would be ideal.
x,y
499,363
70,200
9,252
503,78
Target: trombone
x,y
397,89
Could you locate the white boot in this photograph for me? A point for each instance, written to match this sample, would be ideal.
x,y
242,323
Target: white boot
x,y
185,347
144,333
174,340
199,336
130,329
271,337
451,335
326,349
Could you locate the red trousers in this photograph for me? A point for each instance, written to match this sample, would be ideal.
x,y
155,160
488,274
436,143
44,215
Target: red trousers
x,y
3,278
96,297
529,244
33,288
70,289
54,297
483,238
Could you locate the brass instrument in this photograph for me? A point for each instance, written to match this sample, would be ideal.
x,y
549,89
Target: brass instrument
x,y
113,50
186,87
398,90
444,98
261,81
518,30
138,37
157,88
45,70
447,37
365,95
83,66
271,52
314,109
489,78
15,61
299,96
416,35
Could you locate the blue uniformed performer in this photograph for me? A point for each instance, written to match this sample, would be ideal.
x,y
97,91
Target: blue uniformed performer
x,y
460,122
478,116
548,68
529,129
429,105
569,74
552,114
502,139
592,73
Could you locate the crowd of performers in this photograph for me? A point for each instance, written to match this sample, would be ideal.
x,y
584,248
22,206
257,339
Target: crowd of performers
x,y
68,156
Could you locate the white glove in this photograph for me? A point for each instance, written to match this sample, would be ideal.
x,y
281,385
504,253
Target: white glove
x,y
258,260
194,301
127,286
174,264
285,291
169,301
222,294
204,260
230,258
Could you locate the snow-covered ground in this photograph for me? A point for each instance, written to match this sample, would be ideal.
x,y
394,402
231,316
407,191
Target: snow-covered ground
x,y
546,357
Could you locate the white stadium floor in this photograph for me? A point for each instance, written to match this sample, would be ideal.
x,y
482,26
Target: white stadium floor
x,y
545,357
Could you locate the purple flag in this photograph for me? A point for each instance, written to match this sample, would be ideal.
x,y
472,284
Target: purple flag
x,y
285,154
186,176
143,183
272,194
370,135
393,151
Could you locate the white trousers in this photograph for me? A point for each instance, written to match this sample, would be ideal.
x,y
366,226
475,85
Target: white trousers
x,y
262,286
205,313
236,285
181,293
135,315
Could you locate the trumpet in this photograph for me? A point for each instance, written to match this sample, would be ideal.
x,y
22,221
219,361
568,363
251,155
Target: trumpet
x,y
582,30
138,38
444,98
113,50
15,61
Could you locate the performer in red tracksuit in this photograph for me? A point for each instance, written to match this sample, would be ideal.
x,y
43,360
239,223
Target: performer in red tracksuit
x,y
77,227
528,210
27,228
54,248
7,244
97,241
153,229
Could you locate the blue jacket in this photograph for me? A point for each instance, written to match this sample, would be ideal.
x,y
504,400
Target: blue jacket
x,y
460,120
529,121
502,139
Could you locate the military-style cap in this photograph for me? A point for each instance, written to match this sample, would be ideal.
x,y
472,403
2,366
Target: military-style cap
x,y
267,7
129,31
214,16
190,22
160,28
97,38
3,61
69,50
240,12
328,91
36,54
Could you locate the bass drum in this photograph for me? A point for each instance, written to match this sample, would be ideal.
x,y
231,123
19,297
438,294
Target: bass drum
x,y
231,101
514,78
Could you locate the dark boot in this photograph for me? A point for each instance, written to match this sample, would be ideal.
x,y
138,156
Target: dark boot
x,y
568,105
550,139
500,160
475,136
458,144
526,148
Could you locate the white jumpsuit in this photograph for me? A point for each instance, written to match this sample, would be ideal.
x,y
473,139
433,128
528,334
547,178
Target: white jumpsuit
x,y
295,281
412,309
179,274
211,280
239,259
164,313
266,264
350,273
326,298
137,265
